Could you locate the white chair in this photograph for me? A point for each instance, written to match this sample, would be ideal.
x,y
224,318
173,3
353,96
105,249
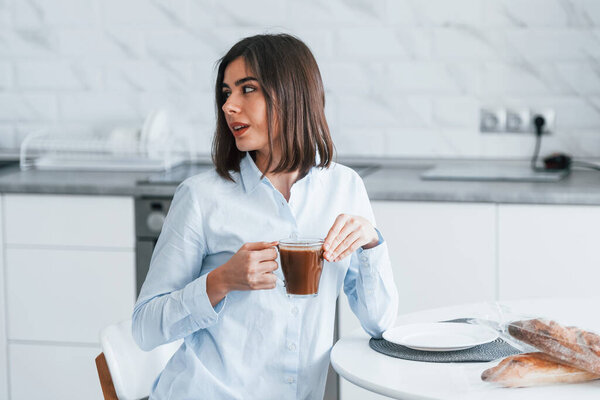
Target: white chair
x,y
126,372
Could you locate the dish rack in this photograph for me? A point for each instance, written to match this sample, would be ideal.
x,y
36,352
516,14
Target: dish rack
x,y
145,149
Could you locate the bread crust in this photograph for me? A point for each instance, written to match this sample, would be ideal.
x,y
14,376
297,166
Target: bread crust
x,y
533,369
570,345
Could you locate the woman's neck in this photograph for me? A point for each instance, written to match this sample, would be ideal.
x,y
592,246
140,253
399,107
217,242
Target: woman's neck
x,y
282,181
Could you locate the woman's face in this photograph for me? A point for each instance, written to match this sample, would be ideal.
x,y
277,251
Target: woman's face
x,y
245,107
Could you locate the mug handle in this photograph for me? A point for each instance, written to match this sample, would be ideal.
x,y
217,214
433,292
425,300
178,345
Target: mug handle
x,y
279,280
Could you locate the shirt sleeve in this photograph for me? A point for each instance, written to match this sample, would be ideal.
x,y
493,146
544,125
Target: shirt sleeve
x,y
173,302
369,283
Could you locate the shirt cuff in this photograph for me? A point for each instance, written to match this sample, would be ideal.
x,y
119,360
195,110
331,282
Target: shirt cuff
x,y
374,255
197,303
379,236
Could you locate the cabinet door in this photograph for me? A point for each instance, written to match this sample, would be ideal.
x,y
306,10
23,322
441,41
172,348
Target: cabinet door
x,y
441,254
52,220
67,295
53,372
3,343
548,251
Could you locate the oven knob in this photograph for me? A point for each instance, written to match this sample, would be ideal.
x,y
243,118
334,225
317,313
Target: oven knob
x,y
155,221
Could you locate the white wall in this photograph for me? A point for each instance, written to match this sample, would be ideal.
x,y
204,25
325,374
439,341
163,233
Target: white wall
x,y
408,74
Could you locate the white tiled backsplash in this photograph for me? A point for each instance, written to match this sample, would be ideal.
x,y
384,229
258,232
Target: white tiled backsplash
x,y
403,77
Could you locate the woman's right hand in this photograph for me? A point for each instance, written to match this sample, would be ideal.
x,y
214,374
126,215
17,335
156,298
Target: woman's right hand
x,y
251,268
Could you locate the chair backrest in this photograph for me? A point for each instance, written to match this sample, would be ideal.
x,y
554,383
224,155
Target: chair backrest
x,y
132,370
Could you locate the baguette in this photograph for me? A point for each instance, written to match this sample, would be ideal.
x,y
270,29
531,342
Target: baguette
x,y
533,369
571,345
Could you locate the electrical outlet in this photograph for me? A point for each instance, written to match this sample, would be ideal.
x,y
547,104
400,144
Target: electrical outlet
x,y
492,119
518,120
549,117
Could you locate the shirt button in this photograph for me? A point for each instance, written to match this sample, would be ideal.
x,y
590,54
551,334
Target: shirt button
x,y
294,310
290,379
291,347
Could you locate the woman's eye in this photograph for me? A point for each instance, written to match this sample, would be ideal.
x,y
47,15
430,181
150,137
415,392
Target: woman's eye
x,y
225,94
248,89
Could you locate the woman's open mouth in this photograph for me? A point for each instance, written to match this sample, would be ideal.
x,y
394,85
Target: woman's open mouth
x,y
239,129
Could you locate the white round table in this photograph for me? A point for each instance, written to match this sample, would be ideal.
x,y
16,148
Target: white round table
x,y
353,359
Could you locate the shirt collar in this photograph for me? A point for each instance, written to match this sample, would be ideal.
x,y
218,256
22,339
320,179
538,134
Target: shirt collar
x,y
249,172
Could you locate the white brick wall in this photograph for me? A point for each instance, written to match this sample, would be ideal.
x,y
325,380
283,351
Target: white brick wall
x,y
7,136
57,76
409,75
17,106
99,107
59,13
5,75
144,13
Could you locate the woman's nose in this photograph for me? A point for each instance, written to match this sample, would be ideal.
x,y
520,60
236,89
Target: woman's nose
x,y
230,106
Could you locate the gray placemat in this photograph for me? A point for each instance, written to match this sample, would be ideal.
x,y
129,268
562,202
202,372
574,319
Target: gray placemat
x,y
482,353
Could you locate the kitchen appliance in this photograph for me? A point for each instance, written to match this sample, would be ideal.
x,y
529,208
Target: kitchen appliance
x,y
150,214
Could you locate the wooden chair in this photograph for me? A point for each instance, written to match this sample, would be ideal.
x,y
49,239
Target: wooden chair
x,y
108,387
126,372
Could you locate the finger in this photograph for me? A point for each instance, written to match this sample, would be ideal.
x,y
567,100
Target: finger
x,y
338,224
259,245
335,243
266,254
270,281
266,267
353,247
265,281
345,244
348,228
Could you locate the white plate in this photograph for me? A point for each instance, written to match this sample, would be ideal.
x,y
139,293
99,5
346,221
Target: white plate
x,y
156,129
440,336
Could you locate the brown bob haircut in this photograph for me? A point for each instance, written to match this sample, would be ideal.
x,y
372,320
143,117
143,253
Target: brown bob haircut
x,y
291,82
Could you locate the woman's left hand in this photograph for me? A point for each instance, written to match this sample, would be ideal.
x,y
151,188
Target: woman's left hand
x,y
348,233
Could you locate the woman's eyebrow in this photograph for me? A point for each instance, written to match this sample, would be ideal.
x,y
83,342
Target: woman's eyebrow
x,y
240,81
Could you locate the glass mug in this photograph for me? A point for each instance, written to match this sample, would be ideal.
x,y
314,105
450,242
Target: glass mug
x,y
301,262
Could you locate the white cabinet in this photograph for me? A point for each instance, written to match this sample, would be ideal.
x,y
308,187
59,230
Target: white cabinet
x,y
40,371
548,251
441,254
3,327
67,295
53,220
69,271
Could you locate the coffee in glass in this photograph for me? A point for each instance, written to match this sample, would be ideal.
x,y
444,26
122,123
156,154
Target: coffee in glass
x,y
302,264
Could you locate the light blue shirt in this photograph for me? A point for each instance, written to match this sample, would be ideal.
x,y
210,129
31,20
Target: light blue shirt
x,y
255,344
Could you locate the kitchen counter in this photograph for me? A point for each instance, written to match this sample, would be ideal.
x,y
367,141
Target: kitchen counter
x,y
13,180
394,180
403,183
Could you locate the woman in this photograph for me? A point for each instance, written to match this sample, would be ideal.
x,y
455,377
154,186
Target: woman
x,y
214,279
